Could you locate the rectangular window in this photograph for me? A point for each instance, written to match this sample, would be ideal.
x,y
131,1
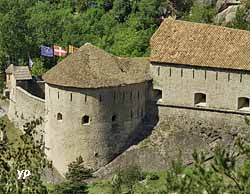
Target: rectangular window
x,y
181,72
241,77
85,98
205,74
216,75
159,71
58,95
71,97
170,72
228,76
200,99
193,73
243,103
100,98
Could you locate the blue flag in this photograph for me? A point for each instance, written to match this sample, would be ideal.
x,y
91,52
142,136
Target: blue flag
x,y
46,51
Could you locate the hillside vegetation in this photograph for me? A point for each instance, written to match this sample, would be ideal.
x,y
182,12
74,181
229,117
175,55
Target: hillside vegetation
x,y
121,27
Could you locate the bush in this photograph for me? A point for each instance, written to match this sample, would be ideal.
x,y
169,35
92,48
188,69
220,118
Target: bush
x,y
128,178
153,177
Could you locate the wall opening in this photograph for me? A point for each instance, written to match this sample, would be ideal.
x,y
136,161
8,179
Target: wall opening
x,y
114,118
59,116
71,97
243,103
200,99
85,120
157,95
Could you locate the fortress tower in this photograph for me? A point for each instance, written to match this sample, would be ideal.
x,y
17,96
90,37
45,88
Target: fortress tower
x,y
95,103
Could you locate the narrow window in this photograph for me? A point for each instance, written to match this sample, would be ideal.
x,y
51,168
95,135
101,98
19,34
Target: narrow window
x,y
216,75
241,77
205,74
131,96
138,95
114,96
85,98
85,120
243,103
114,118
181,72
59,116
193,73
123,97
131,114
228,76
159,71
100,98
58,95
71,97
200,99
170,72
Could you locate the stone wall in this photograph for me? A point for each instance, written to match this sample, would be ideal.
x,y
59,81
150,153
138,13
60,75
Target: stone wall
x,y
115,115
25,107
179,83
179,132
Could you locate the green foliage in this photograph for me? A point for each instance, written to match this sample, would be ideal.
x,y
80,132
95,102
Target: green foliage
x,y
128,178
201,14
118,26
77,172
70,188
75,178
38,68
28,155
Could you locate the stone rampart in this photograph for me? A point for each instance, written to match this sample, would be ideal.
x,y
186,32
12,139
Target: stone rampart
x,y
25,107
179,132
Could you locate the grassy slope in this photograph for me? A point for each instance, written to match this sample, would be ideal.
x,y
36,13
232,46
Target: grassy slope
x,y
103,187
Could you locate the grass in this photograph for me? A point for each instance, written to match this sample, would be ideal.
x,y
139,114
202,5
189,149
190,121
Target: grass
x,y
104,187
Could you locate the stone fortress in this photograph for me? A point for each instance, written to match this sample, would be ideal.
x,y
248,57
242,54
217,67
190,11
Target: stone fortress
x,y
96,105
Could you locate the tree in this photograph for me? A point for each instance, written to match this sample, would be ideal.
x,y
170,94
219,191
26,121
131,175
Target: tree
x,y
27,155
77,172
38,68
75,179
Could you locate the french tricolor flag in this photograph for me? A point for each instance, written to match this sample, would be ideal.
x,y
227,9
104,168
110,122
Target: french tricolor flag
x,y
59,51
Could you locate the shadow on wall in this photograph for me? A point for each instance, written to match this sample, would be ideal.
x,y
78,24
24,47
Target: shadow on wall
x,y
150,119
36,87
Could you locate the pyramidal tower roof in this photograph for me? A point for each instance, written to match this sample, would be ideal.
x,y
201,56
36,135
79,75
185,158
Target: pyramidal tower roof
x,y
91,67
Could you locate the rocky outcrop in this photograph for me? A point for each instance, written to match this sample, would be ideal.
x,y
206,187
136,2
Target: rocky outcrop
x,y
226,11
227,15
